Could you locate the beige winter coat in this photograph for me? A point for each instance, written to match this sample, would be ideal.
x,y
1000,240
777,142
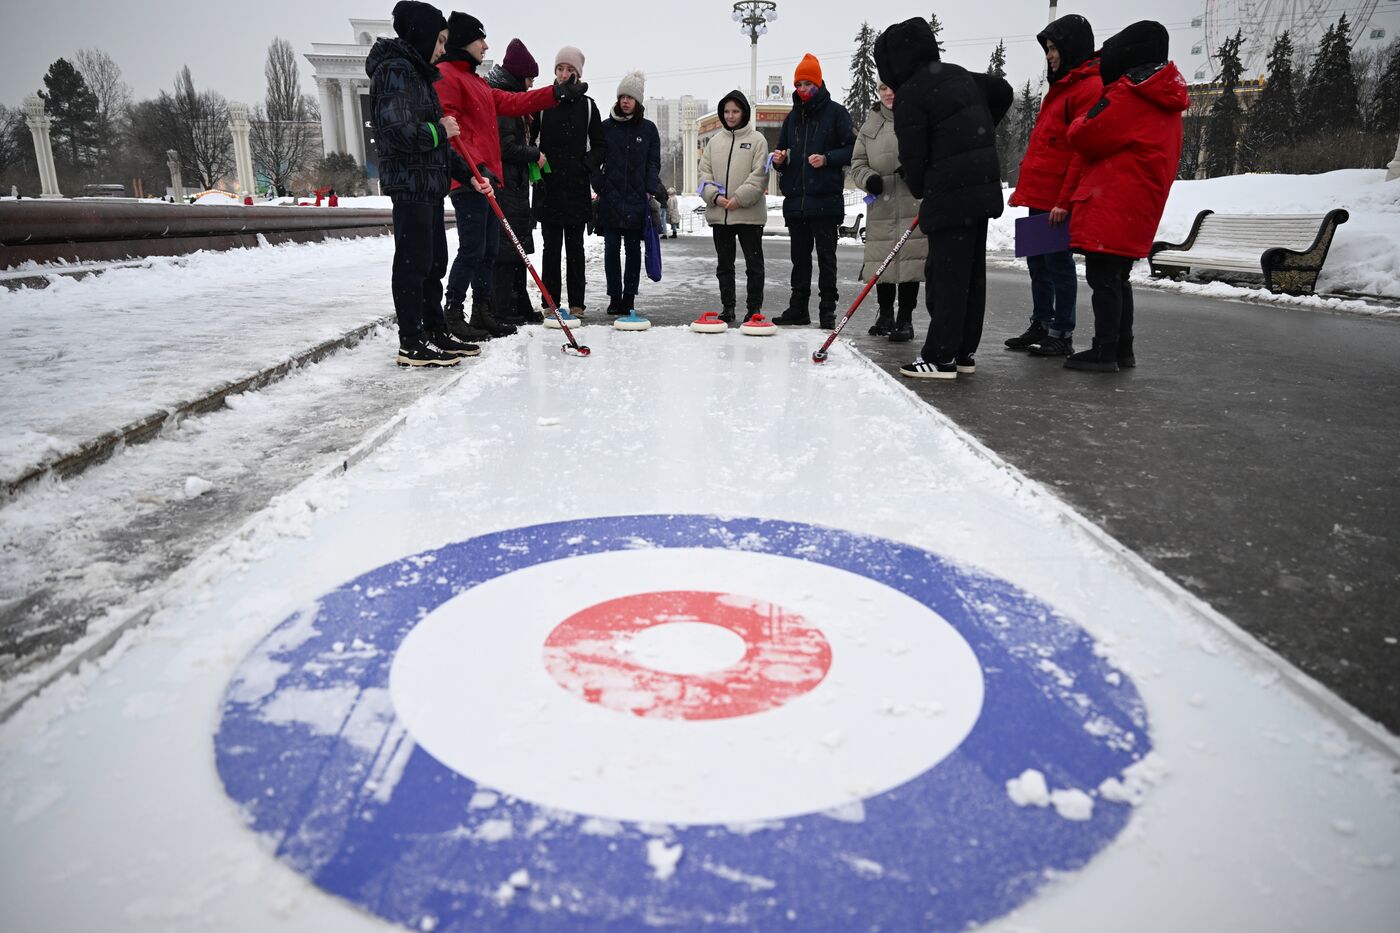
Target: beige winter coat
x,y
736,160
877,153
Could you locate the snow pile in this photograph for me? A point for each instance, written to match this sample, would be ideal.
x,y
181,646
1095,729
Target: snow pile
x,y
218,200
1031,790
1365,255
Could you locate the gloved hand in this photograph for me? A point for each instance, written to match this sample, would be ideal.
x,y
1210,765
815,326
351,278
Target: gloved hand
x,y
571,89
874,184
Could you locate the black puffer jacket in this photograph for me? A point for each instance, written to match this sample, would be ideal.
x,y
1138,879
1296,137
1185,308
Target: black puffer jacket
x,y
415,161
945,119
818,126
631,170
571,138
518,152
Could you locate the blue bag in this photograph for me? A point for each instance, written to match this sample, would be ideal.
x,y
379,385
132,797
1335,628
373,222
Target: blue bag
x,y
651,241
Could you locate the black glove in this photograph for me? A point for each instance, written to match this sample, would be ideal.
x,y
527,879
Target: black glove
x,y
874,184
571,89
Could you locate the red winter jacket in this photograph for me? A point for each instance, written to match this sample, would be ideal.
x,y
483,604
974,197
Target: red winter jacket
x,y
1131,144
1050,169
475,104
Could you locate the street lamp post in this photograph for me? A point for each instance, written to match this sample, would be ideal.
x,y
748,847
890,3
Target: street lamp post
x,y
753,17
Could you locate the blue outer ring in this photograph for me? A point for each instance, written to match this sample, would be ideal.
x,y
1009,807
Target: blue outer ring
x,y
954,850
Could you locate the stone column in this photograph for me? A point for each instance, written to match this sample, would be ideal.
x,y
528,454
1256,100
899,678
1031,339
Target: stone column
x,y
39,125
689,151
177,183
1393,169
329,128
242,151
350,111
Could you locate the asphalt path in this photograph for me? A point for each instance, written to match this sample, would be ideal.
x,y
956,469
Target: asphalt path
x,y
1253,455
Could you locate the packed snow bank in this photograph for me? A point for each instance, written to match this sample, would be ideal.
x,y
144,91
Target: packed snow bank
x,y
1365,256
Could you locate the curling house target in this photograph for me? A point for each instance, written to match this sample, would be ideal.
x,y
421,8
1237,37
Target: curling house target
x,y
614,722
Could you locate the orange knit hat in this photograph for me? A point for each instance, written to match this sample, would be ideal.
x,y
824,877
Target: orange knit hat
x,y
809,69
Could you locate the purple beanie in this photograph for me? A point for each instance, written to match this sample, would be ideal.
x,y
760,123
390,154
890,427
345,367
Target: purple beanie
x,y
519,61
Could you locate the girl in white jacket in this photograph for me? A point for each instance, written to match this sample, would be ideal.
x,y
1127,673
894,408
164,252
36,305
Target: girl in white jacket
x,y
733,182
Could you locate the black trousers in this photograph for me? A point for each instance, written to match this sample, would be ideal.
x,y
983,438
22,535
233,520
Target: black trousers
x,y
906,292
750,238
1113,296
956,270
510,294
821,235
557,240
420,262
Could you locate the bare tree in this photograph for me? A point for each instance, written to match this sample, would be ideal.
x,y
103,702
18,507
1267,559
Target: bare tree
x,y
11,142
104,79
283,138
195,124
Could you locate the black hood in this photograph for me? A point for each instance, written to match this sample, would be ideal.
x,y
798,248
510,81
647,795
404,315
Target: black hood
x,y
498,77
902,48
386,49
743,102
419,24
1074,37
1143,43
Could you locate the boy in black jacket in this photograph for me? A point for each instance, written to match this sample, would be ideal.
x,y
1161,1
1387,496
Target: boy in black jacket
x,y
945,120
415,164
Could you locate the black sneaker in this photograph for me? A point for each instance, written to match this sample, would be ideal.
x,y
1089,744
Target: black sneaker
x,y
1053,346
419,352
1099,358
903,332
791,318
615,307
748,315
1033,335
884,324
919,369
451,345
966,365
828,322
727,316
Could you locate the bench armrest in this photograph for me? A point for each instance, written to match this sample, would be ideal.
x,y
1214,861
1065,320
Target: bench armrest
x,y
1190,240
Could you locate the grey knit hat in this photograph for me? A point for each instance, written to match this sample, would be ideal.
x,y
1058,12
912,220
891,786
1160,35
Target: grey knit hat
x,y
633,85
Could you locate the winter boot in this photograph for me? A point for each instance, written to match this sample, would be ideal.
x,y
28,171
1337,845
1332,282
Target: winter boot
x,y
1126,360
1099,358
457,324
615,305
884,322
827,320
903,330
483,319
629,304
1033,335
450,345
1053,346
727,316
793,317
416,351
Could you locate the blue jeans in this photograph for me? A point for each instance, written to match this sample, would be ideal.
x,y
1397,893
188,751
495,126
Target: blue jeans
x,y
620,284
478,239
1054,289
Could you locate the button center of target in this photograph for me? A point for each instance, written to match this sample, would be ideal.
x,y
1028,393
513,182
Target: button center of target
x,y
653,655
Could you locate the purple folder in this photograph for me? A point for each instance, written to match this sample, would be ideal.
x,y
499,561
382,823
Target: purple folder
x,y
1035,236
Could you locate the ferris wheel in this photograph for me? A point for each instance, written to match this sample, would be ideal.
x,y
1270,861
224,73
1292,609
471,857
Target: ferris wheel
x,y
1262,21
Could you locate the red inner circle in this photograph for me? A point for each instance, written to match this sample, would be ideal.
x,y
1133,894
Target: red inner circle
x,y
784,657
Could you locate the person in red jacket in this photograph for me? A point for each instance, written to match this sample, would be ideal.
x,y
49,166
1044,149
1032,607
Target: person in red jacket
x,y
1050,171
1131,144
475,105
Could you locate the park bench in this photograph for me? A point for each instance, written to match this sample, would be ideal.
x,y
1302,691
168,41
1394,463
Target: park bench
x,y
1288,250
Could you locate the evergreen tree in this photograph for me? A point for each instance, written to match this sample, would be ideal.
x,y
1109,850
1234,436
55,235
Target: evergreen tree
x,y
937,30
861,95
1273,120
1005,130
1330,103
73,107
1385,106
1223,130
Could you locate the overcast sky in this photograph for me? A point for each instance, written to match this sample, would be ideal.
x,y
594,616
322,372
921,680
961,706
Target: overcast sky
x,y
684,47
